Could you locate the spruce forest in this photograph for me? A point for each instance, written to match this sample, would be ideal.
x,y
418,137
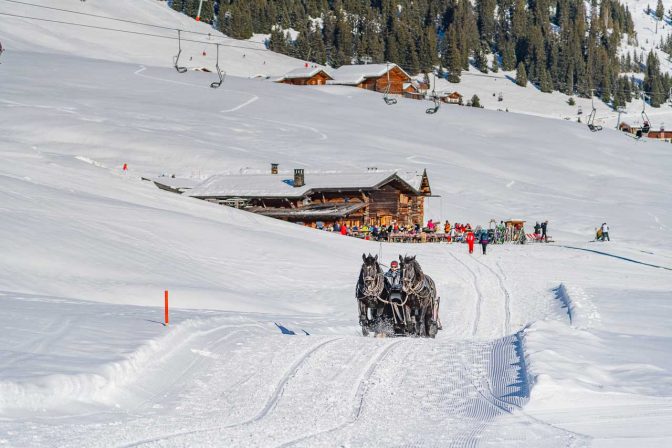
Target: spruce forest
x,y
559,45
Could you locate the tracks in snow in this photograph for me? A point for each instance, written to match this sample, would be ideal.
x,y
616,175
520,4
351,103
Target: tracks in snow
x,y
359,396
481,296
269,405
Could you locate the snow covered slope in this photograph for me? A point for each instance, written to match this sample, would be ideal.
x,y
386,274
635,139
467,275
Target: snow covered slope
x,y
565,344
84,35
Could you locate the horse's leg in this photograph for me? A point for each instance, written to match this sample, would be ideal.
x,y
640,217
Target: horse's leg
x,y
410,328
363,318
422,328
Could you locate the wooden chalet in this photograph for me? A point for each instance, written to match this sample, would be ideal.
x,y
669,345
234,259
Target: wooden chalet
x,y
452,98
663,135
354,199
415,90
372,77
307,76
636,131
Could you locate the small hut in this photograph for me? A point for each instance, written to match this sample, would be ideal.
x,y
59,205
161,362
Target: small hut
x,y
306,76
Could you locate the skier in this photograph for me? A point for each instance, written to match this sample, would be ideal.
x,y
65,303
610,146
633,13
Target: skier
x,y
393,276
605,232
537,229
1,49
470,241
485,239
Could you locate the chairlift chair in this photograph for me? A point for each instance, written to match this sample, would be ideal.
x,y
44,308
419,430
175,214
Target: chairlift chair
x,y
389,101
591,121
580,111
437,106
435,98
176,59
221,75
591,118
646,123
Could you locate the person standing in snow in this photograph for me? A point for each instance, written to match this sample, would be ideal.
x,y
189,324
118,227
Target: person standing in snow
x,y
470,241
485,239
344,229
537,229
605,232
544,228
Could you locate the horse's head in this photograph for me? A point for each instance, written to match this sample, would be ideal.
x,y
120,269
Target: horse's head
x,y
410,271
370,268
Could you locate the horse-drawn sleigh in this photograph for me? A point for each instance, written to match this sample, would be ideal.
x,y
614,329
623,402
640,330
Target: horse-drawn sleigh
x,y
407,307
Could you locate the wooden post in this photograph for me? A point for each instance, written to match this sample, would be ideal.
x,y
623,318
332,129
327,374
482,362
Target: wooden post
x,y
165,296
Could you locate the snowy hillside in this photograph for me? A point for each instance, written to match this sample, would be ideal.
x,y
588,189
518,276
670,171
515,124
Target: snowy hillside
x,y
563,344
87,30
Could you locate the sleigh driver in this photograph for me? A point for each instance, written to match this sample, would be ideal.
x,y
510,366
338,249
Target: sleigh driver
x,y
393,276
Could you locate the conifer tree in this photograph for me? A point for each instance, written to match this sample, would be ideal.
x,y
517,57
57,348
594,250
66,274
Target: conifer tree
x,y
453,57
521,75
660,10
177,5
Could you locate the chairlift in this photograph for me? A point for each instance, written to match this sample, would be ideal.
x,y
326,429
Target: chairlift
x,y
176,59
646,123
389,101
591,118
580,111
221,75
437,105
435,98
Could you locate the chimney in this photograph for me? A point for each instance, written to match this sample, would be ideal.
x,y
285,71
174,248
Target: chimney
x,y
298,178
274,168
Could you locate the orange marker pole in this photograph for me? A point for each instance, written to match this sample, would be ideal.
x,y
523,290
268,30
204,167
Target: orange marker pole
x,y
165,296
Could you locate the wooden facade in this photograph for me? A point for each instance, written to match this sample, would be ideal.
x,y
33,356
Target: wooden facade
x,y
397,79
452,98
389,198
636,131
318,79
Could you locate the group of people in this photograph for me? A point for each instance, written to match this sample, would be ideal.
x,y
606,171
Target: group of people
x,y
540,231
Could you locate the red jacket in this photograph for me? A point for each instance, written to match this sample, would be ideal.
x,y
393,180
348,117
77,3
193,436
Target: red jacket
x,y
470,237
344,230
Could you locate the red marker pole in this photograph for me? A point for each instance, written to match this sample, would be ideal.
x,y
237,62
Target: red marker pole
x,y
165,297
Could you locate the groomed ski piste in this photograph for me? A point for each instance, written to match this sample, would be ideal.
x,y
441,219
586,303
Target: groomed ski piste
x,y
559,344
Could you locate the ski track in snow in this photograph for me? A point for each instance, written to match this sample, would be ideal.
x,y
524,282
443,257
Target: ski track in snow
x,y
358,399
505,293
270,403
479,294
253,98
607,254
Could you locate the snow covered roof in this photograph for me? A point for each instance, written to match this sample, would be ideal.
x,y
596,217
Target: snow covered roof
x,y
355,74
176,183
281,185
305,72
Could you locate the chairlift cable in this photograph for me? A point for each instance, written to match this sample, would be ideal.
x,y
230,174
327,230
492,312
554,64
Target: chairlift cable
x,y
139,33
99,16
